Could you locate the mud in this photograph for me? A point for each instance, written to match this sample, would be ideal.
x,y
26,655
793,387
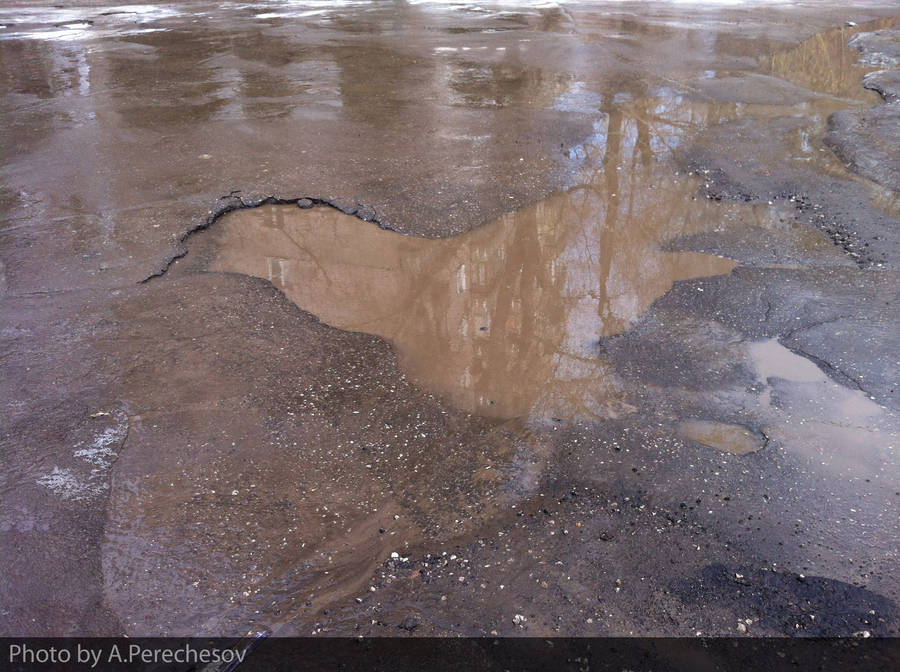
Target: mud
x,y
246,440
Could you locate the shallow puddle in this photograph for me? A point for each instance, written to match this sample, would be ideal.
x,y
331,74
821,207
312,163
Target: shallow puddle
x,y
774,362
722,436
187,457
841,429
504,321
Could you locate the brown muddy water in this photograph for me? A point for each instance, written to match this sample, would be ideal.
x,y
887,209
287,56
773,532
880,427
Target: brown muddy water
x,y
506,321
503,321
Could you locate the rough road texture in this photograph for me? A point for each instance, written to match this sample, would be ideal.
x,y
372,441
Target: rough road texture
x,y
879,47
868,141
886,83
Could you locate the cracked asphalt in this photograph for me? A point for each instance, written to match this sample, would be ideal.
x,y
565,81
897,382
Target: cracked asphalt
x,y
188,450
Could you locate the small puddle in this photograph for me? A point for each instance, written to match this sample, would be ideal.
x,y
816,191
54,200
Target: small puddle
x,y
503,321
841,429
775,362
722,436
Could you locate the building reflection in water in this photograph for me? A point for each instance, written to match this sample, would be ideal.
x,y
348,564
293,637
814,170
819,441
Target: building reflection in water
x,y
504,320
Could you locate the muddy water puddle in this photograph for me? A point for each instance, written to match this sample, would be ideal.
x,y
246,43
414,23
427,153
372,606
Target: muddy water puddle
x,y
504,321
722,436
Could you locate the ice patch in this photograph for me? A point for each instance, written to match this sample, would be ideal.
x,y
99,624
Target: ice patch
x,y
66,484
99,455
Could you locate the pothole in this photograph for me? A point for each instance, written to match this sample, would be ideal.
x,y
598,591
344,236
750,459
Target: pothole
x,y
722,436
503,321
